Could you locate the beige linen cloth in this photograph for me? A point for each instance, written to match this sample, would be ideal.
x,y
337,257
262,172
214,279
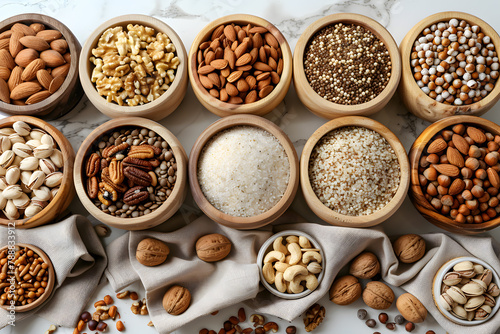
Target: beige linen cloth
x,y
214,286
79,260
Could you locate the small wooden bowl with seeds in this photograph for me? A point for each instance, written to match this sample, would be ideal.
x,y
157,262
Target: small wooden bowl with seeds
x,y
314,89
131,173
364,178
40,44
240,64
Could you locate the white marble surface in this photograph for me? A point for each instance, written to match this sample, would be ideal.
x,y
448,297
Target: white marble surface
x,y
188,17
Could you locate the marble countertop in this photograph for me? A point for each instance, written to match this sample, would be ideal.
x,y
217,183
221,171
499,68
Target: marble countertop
x,y
187,18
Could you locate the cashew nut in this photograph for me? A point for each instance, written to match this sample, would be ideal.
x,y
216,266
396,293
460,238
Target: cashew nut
x,y
281,266
295,252
311,256
293,271
295,285
288,287
311,282
292,239
280,282
268,273
274,256
278,245
287,258
304,242
314,268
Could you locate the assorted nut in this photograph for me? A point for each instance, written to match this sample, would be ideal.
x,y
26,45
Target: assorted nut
x,y
130,172
234,325
104,310
151,252
409,248
384,320
314,317
213,247
454,62
468,291
133,65
31,170
459,173
411,308
24,276
240,64
176,300
292,265
34,62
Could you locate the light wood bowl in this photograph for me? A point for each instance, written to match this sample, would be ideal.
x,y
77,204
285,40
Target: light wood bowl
x,y
70,92
243,223
260,107
66,192
333,217
155,110
417,196
417,101
50,282
162,213
329,110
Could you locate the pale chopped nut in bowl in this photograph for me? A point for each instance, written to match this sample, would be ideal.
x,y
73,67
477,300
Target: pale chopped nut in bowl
x,y
134,65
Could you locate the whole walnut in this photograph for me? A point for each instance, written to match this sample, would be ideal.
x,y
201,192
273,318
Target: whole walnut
x,y
176,300
378,295
411,308
213,247
151,252
345,290
365,265
409,248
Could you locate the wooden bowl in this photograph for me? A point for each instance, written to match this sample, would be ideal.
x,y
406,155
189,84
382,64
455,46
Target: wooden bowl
x,y
50,282
260,107
70,92
333,217
62,200
165,210
416,194
329,110
415,99
262,219
155,110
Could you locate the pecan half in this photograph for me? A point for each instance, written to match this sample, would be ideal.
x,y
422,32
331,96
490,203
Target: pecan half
x,y
135,195
110,151
108,192
138,163
116,172
104,163
92,187
138,176
103,200
121,188
142,152
93,165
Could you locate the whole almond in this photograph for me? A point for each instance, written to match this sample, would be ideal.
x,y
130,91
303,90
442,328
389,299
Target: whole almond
x,y
493,177
262,66
271,40
4,73
242,85
214,78
6,59
4,43
456,187
230,57
52,58
37,27
6,34
44,78
205,81
55,84
33,42
30,71
219,64
251,96
59,45
454,157
223,95
49,35
257,40
231,89
14,44
251,81
25,89
243,60
62,70
23,28
447,169
257,30
217,32
230,33
476,135
4,91
234,76
26,56
67,57
38,97
460,144
204,70
15,77
241,49
265,91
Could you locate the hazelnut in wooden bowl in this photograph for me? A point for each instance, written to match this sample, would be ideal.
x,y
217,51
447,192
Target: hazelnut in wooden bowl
x,y
38,67
280,271
240,64
354,172
243,171
450,66
454,174
131,173
32,289
134,65
36,168
344,65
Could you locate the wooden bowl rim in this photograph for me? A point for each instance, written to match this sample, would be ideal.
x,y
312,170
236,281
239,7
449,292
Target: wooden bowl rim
x,y
334,217
320,103
50,281
243,222
85,67
74,49
224,108
407,45
415,154
167,208
67,182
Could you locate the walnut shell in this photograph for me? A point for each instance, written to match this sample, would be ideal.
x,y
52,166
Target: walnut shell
x,y
409,248
176,300
377,295
151,252
345,290
411,308
213,247
365,265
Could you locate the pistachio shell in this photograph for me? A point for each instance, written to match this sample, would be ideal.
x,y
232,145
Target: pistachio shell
x,y
6,159
493,290
483,312
314,268
5,144
53,192
3,183
12,175
22,202
486,276
489,300
53,179
459,312
32,210
12,192
47,140
478,268
57,158
29,163
6,131
47,166
22,128
37,134
25,176
22,150
43,151
10,210
15,138
470,315
33,143
3,202
36,180
457,295
446,302
2,171
474,303
474,288
452,278
42,193
463,266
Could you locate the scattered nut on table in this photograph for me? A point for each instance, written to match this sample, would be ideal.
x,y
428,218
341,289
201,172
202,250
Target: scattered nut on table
x,y
411,308
365,265
378,295
213,247
151,252
345,290
409,248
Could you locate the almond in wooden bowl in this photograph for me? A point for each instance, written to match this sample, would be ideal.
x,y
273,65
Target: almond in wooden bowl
x,y
449,67
454,174
152,80
320,75
243,171
38,67
240,64
131,173
354,172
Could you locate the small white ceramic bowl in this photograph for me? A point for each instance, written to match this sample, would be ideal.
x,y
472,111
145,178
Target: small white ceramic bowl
x,y
438,283
267,246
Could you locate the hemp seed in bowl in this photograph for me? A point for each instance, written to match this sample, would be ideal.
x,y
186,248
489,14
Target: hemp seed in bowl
x,y
354,171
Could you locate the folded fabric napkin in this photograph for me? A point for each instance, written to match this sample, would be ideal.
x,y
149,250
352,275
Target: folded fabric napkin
x,y
79,260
